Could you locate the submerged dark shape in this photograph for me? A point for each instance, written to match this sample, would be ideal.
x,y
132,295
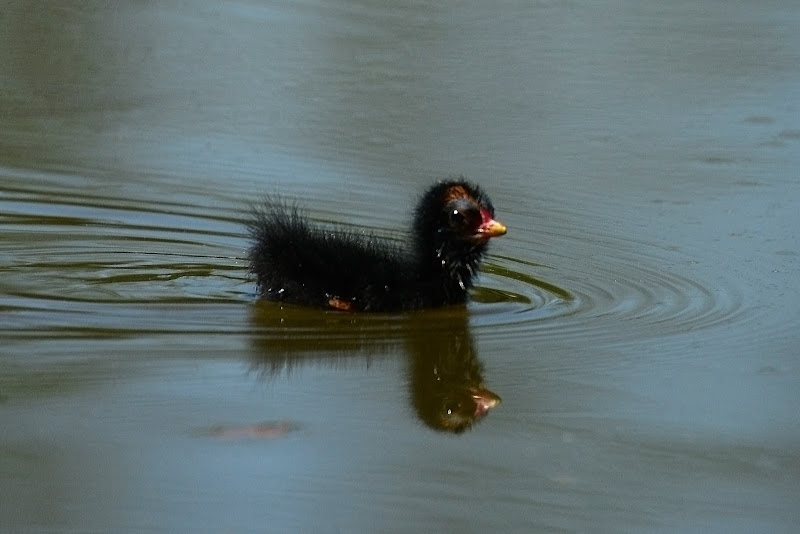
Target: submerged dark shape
x,y
298,262
263,430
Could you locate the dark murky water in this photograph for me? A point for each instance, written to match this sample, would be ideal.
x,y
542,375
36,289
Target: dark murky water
x,y
640,320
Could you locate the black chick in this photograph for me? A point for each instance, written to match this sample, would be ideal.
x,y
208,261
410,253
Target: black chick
x,y
297,262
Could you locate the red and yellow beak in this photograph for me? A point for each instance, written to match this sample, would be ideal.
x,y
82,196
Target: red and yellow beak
x,y
489,227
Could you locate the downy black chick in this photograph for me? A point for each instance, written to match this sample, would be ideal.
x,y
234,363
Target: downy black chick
x,y
296,261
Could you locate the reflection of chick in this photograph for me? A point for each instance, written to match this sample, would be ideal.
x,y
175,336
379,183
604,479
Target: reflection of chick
x,y
444,374
294,261
446,381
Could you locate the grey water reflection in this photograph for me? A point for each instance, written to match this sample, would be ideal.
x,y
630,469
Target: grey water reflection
x,y
640,320
444,373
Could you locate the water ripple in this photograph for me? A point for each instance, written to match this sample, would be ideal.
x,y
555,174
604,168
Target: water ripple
x,y
609,297
91,253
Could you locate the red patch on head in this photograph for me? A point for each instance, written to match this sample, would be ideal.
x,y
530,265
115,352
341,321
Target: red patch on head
x,y
455,192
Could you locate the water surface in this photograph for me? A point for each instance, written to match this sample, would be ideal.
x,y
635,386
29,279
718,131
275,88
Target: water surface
x,y
639,321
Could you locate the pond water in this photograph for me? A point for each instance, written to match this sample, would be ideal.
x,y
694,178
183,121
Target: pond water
x,y
640,321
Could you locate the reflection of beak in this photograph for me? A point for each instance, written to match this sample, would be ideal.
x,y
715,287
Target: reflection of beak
x,y
484,400
491,228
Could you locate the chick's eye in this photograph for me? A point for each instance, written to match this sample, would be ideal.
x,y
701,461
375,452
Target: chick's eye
x,y
457,218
